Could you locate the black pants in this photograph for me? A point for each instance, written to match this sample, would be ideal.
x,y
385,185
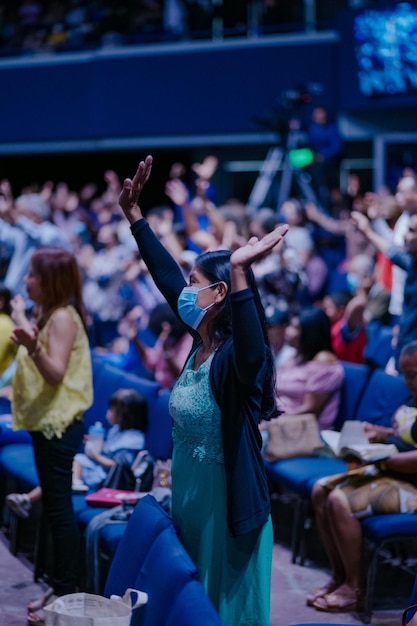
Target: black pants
x,y
54,459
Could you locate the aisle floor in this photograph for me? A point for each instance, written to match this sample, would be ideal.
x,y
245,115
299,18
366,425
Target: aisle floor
x,y
290,583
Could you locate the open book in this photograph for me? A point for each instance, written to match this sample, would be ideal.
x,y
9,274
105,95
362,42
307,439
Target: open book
x,y
352,444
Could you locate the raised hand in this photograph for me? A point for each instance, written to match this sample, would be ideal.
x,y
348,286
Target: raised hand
x,y
360,221
257,248
132,189
177,192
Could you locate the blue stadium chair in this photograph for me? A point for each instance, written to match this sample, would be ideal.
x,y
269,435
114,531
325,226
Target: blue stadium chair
x,y
159,433
379,349
382,396
166,571
106,380
192,607
382,532
151,558
368,394
296,476
148,520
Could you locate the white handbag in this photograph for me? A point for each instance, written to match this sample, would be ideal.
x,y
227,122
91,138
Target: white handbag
x,y
87,609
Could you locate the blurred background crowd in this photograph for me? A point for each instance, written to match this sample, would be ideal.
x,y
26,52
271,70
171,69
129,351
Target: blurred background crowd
x,y
44,26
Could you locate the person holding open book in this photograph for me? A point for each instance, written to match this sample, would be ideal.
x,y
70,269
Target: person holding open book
x,y
388,486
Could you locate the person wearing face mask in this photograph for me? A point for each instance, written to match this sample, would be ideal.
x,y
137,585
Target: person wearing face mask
x,y
220,497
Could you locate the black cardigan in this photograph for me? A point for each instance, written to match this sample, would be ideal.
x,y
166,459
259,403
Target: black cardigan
x,y
237,378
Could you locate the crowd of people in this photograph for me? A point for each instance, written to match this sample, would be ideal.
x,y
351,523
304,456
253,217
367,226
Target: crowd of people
x,y
46,26
221,272
353,272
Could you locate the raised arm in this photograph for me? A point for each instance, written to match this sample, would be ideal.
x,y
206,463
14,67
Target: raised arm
x,y
132,189
248,338
254,250
364,225
162,266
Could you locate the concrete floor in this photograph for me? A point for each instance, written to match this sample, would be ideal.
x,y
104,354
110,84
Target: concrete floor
x,y
290,583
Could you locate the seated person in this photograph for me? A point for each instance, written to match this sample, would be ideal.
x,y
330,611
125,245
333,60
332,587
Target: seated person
x,y
341,501
311,381
127,416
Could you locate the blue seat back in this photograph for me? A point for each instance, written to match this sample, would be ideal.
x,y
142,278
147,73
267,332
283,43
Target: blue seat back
x,y
159,433
383,395
106,380
166,570
192,607
379,349
354,383
18,463
148,520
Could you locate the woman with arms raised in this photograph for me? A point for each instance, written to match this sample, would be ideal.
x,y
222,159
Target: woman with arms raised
x,y
220,497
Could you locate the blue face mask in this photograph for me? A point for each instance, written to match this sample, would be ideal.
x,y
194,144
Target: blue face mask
x,y
190,313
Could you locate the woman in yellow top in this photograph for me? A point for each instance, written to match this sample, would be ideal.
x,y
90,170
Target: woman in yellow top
x,y
52,388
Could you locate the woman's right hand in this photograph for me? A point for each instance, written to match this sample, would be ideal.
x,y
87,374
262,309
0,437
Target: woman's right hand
x,y
132,189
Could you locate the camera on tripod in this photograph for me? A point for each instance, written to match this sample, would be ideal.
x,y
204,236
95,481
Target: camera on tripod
x,y
292,154
288,107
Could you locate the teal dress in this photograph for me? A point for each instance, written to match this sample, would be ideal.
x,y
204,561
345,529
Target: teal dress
x,y
236,572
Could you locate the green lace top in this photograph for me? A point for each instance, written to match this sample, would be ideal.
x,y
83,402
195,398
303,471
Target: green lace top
x,y
197,426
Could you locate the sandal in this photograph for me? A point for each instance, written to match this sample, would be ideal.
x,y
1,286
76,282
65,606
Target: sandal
x,y
36,619
334,602
41,602
320,592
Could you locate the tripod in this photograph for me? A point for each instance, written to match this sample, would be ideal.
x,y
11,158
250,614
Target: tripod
x,y
278,158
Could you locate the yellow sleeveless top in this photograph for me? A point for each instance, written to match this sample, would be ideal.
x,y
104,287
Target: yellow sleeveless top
x,y
50,409
7,347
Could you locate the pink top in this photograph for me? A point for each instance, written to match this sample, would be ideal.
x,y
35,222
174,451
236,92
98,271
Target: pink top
x,y
295,379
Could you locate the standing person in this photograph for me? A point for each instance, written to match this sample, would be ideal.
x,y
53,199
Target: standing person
x,y
327,145
220,497
52,388
406,258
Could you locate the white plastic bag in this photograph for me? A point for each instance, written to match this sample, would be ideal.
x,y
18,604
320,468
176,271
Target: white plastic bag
x,y
87,609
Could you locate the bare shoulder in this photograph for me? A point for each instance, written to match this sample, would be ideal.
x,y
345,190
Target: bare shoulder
x,y
325,357
62,318
61,315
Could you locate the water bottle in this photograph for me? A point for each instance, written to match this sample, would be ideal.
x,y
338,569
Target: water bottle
x,y
96,434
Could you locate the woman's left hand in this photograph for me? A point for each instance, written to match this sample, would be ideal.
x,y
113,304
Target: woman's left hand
x,y
257,248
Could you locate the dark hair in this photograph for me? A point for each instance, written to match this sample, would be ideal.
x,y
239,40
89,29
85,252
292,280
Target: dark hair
x,y
60,280
315,333
6,296
216,267
131,408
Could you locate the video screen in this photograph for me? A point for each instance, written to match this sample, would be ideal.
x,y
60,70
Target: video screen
x,y
386,50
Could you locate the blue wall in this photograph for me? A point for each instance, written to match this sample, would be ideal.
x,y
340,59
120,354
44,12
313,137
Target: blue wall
x,y
164,95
